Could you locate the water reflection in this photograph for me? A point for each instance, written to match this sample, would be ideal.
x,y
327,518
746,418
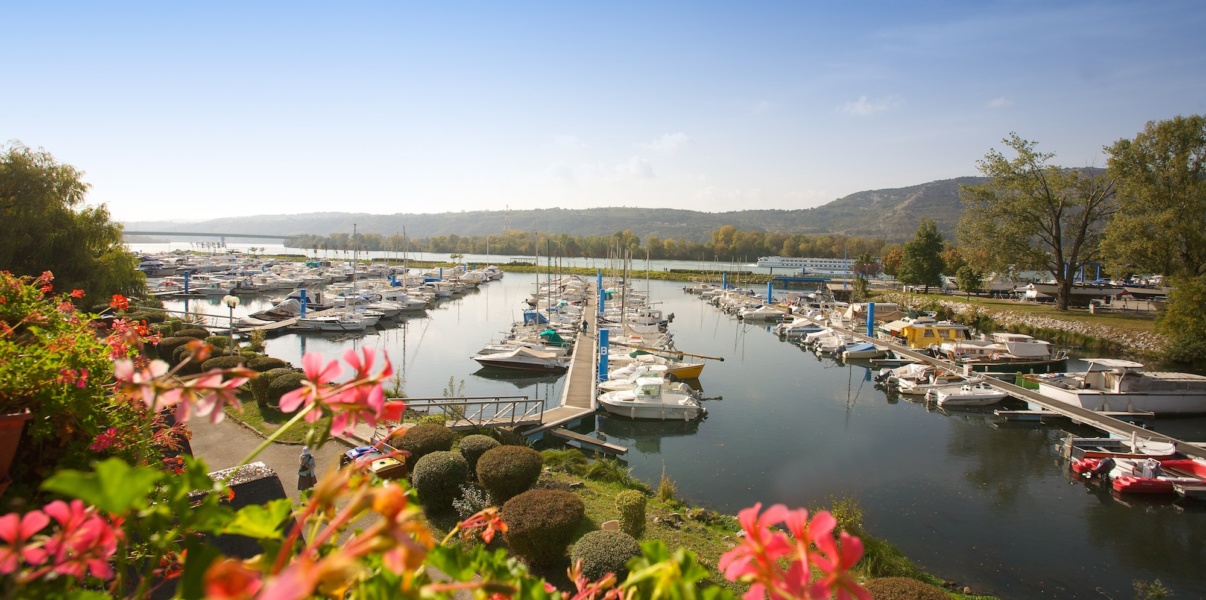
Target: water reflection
x,y
519,379
643,436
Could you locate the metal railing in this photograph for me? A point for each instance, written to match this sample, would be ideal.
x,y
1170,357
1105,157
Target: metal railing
x,y
480,412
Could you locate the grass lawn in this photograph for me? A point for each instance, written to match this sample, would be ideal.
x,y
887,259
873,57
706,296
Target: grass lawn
x,y
268,422
1131,321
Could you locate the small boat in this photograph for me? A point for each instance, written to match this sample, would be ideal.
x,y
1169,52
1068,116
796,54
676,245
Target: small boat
x,y
1079,448
1151,476
761,313
653,398
797,327
864,350
342,321
979,394
524,359
1121,385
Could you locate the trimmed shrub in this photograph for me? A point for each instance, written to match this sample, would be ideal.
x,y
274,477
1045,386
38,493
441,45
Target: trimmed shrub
x,y
438,478
168,345
903,588
259,385
282,385
603,552
541,523
219,342
193,332
423,439
507,471
472,447
179,355
264,364
631,505
222,362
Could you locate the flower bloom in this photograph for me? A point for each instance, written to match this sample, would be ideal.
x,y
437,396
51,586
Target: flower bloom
x,y
15,532
119,302
361,399
84,542
77,294
105,440
206,394
489,518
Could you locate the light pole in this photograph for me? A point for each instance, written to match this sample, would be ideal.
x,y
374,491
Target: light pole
x,y
231,302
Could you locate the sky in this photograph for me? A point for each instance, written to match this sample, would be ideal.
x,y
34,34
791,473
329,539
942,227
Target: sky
x,y
193,111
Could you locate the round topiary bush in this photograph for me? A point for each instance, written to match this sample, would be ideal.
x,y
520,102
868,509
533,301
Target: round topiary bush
x,y
603,552
472,447
259,385
423,439
264,364
168,345
282,385
541,523
903,588
631,505
438,478
222,362
179,355
193,332
219,342
507,471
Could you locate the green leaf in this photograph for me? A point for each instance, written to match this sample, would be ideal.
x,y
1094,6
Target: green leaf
x,y
114,487
261,522
201,555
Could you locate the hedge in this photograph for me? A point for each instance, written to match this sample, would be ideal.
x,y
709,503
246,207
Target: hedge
x,y
603,552
222,362
193,332
438,478
259,385
167,346
541,523
423,439
264,364
282,385
473,446
631,505
507,471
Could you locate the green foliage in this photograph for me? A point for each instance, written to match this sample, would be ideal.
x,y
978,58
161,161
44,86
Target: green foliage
x,y
222,362
45,225
168,345
882,559
1160,226
219,343
970,280
257,339
603,552
666,489
423,439
631,505
260,385
264,364
472,500
903,588
922,263
438,478
1184,321
283,384
1153,590
611,470
440,420
658,573
182,354
193,332
569,460
541,523
472,447
507,471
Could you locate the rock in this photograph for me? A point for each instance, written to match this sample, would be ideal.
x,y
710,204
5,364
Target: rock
x,y
967,591
577,485
612,525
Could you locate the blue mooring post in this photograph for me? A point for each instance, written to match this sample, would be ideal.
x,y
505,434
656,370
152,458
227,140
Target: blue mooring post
x,y
599,284
770,292
604,333
304,302
441,273
724,281
871,319
186,277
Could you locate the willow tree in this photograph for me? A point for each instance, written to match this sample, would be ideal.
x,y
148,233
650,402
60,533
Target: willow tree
x,y
45,225
1034,215
1160,226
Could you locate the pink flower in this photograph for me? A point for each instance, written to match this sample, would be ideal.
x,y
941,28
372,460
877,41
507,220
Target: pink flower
x,y
835,564
317,376
84,542
361,399
104,440
754,559
15,531
214,393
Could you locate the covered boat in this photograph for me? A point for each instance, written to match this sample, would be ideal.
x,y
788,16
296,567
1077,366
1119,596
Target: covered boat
x,y
653,398
524,359
1111,384
978,394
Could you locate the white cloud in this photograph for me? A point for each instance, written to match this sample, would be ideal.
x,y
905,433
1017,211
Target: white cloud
x,y
585,173
1001,102
668,143
637,168
863,107
566,142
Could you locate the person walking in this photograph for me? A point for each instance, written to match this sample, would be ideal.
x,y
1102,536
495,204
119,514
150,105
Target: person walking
x,y
306,477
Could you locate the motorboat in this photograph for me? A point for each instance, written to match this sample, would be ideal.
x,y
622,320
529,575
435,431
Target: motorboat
x,y
797,327
1005,352
675,369
653,398
978,394
1150,476
936,381
761,313
864,350
1121,385
524,359
339,321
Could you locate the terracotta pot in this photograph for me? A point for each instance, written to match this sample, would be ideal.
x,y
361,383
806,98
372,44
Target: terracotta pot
x,y
11,427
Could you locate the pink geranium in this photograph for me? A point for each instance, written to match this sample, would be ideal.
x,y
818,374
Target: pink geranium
x,y
16,532
350,403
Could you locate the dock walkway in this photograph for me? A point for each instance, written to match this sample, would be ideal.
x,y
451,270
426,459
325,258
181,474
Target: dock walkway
x,y
1077,414
578,393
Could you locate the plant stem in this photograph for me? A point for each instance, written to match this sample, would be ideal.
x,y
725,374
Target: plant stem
x,y
276,434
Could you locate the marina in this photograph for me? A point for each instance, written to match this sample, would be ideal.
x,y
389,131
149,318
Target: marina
x,y
803,430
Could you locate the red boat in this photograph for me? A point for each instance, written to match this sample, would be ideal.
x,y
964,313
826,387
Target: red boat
x,y
1184,477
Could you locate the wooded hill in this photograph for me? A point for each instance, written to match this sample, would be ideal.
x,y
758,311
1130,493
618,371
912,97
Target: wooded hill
x,y
892,214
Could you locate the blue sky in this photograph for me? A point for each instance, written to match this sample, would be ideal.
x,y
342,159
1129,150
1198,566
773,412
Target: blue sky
x,y
195,111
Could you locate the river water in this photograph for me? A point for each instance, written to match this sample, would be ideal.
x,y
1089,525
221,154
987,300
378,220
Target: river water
x,y
988,505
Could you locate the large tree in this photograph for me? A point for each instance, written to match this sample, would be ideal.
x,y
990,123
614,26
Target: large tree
x,y
922,260
45,226
1160,226
1034,215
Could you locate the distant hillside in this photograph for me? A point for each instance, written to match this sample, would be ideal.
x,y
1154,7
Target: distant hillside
x,y
892,214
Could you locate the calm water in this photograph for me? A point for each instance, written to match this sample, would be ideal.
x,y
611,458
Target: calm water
x,y
983,504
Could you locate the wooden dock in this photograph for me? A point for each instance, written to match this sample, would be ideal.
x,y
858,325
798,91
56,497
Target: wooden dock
x,y
578,393
1077,414
586,440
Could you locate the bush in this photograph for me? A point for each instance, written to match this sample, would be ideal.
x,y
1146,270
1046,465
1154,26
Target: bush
x,y
440,420
631,505
222,362
219,342
541,523
179,355
507,471
438,478
903,588
168,345
610,470
423,439
282,385
193,332
603,552
472,447
570,460
472,501
264,364
260,385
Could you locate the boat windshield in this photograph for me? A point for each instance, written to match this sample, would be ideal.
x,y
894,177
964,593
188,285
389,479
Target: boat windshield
x,y
649,390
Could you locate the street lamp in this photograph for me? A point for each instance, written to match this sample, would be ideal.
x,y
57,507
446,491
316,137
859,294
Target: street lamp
x,y
231,302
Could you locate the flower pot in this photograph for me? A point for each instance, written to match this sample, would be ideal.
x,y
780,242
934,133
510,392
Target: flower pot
x,y
11,427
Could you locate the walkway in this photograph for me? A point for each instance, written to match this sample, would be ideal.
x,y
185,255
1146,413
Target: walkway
x,y
578,394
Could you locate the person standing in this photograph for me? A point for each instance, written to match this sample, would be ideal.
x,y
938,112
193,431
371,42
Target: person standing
x,y
306,477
